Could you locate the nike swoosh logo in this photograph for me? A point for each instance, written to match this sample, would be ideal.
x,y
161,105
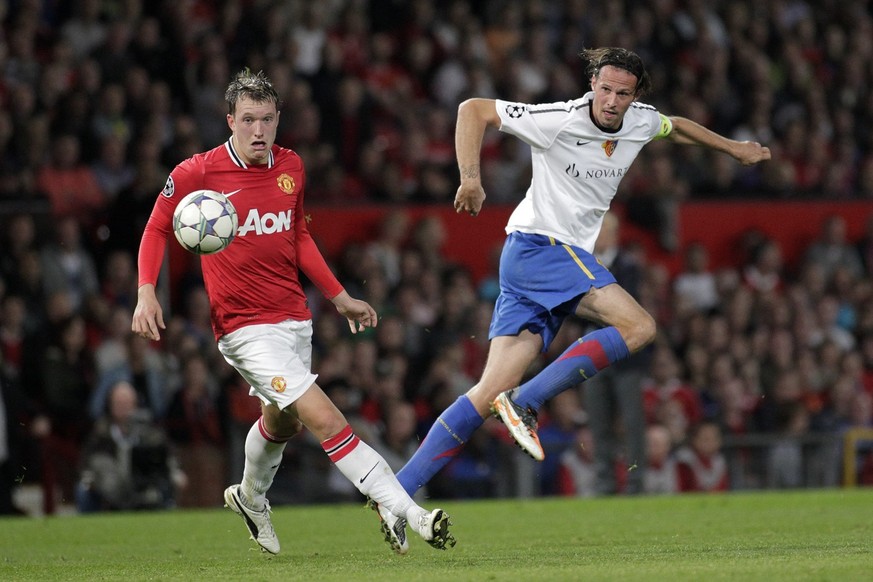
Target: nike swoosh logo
x,y
253,528
229,194
580,142
368,473
512,418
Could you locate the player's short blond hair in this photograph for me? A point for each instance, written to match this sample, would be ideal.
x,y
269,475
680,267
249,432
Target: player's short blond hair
x,y
255,86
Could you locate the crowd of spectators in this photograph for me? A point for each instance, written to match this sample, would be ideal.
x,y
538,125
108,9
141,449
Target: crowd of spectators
x,y
100,99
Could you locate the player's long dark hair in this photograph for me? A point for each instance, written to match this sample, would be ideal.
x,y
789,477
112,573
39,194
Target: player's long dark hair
x,y
597,58
255,86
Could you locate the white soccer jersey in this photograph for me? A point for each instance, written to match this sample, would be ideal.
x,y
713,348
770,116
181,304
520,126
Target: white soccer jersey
x,y
576,165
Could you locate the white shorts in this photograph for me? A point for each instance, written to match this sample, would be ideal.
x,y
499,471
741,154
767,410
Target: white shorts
x,y
275,359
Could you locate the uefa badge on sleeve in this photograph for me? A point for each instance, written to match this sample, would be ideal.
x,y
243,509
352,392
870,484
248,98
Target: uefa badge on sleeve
x,y
515,110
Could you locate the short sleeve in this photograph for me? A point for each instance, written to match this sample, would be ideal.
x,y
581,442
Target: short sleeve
x,y
537,125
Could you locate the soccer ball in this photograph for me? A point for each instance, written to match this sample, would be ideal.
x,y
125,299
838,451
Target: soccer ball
x,y
205,222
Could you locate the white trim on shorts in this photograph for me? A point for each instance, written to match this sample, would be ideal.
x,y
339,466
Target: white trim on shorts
x,y
274,358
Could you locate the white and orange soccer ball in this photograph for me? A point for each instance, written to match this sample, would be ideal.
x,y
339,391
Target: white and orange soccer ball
x,y
205,222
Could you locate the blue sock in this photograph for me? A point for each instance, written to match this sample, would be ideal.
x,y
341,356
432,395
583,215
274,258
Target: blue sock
x,y
587,356
444,441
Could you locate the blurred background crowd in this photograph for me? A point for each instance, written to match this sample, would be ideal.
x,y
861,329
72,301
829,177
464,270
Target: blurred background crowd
x,y
100,99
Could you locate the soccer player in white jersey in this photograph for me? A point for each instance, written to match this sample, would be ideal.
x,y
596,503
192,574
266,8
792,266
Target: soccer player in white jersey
x,y
581,150
260,315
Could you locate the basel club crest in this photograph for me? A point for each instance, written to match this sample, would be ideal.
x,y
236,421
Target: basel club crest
x,y
609,147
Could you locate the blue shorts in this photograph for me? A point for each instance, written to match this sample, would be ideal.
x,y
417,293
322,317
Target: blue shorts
x,y
541,283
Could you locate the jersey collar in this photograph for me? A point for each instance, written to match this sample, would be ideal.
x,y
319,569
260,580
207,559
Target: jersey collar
x,y
237,159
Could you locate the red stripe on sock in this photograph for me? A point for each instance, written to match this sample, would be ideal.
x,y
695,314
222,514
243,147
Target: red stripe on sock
x,y
340,445
449,453
268,435
592,349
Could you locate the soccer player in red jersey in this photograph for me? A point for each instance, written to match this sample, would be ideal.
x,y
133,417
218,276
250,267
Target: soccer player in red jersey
x,y
260,317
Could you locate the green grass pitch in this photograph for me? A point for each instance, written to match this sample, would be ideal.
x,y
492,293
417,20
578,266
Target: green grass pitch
x,y
802,535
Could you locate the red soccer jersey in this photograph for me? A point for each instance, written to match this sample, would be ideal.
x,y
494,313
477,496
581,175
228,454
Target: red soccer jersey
x,y
255,279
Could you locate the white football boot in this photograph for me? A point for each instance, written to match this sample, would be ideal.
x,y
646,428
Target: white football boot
x,y
393,528
433,528
522,424
258,522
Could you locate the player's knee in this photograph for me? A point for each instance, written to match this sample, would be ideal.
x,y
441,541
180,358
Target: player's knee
x,y
325,426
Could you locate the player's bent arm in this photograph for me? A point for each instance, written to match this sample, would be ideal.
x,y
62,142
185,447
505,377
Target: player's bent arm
x,y
310,260
690,132
474,117
312,263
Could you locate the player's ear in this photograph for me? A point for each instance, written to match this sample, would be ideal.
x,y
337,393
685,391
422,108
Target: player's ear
x,y
230,121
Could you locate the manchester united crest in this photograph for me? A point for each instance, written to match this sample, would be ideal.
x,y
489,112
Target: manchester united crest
x,y
278,384
286,183
609,147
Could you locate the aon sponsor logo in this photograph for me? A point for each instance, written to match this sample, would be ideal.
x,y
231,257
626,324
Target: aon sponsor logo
x,y
267,223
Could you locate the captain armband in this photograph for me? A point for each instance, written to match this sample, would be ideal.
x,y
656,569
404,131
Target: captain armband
x,y
666,127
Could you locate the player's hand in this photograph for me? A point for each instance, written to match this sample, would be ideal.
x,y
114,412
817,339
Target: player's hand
x,y
469,198
148,317
359,314
751,152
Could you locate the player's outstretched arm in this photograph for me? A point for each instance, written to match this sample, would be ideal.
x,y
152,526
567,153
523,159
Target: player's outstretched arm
x,y
359,313
474,116
690,132
148,317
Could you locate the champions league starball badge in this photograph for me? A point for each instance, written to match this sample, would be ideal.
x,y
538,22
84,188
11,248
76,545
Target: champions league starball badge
x,y
514,110
169,188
